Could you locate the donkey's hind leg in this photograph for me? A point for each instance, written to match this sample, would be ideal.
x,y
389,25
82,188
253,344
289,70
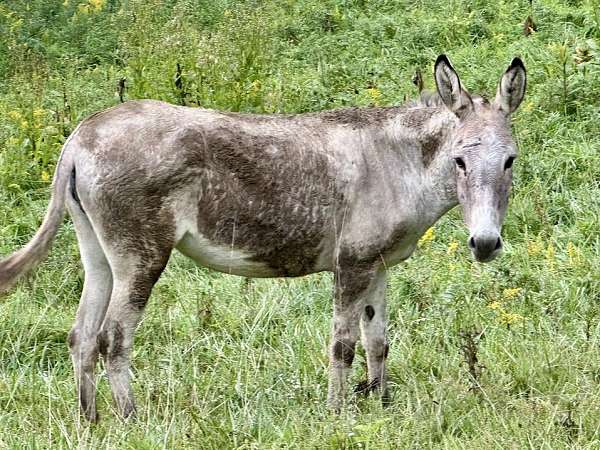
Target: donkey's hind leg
x,y
134,277
97,288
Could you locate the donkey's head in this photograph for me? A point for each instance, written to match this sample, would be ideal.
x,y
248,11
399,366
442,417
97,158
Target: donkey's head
x,y
483,152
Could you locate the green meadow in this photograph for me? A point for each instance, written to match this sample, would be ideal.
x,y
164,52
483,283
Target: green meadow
x,y
504,355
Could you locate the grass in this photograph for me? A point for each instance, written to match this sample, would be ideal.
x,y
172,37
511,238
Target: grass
x,y
220,363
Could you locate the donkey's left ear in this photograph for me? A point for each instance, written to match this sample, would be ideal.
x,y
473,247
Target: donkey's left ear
x,y
511,89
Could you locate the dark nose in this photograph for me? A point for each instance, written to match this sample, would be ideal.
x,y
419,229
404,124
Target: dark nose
x,y
485,245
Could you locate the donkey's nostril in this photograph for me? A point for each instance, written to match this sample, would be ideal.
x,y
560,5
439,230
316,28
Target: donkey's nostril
x,y
472,242
498,244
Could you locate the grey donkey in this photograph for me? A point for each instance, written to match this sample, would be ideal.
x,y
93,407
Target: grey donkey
x,y
348,191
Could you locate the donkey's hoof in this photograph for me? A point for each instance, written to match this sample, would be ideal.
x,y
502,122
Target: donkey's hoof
x,y
365,387
91,417
129,413
386,399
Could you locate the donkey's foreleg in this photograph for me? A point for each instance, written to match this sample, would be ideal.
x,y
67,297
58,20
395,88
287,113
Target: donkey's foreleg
x,y
373,325
131,288
352,286
341,353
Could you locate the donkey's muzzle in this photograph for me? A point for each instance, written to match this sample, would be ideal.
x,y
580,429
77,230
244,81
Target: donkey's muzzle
x,y
485,245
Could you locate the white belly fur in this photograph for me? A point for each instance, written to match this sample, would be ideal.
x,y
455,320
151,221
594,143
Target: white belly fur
x,y
220,257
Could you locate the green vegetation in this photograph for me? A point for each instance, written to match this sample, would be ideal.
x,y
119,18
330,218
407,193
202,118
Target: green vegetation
x,y
221,363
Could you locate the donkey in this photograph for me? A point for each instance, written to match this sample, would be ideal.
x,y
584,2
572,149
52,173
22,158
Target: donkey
x,y
348,191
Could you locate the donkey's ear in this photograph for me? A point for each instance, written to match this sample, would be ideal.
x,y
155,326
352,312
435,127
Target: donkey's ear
x,y
511,89
449,89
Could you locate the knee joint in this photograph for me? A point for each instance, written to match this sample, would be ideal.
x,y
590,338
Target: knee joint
x,y
73,338
379,348
343,350
110,340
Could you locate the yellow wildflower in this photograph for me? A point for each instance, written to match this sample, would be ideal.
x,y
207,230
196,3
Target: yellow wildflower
x,y
534,248
511,293
510,318
227,13
504,316
452,247
97,4
550,255
528,106
571,250
24,124
573,253
45,176
15,115
39,113
375,95
427,237
374,92
495,305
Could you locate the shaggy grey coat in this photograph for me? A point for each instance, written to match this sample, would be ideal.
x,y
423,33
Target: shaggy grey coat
x,y
348,191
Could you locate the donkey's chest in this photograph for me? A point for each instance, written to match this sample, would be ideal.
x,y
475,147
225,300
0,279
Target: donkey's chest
x,y
399,252
385,236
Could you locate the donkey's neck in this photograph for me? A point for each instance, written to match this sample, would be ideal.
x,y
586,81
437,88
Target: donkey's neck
x,y
422,137
439,176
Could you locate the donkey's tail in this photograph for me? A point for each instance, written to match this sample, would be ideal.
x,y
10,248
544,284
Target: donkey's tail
x,y
23,260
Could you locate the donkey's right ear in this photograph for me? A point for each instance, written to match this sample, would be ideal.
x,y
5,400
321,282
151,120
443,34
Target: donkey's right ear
x,y
449,88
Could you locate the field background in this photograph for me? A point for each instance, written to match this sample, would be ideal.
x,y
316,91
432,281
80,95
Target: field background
x,y
224,363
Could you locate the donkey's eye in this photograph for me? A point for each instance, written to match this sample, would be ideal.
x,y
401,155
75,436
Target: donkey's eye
x,y
460,163
509,162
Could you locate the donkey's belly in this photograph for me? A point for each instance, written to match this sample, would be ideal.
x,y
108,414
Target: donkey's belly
x,y
223,258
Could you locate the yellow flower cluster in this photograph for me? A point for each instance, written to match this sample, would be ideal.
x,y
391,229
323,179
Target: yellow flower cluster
x,y
510,318
550,257
427,237
39,113
528,106
495,305
511,293
452,247
538,248
573,253
15,115
18,118
505,317
256,86
89,6
534,248
375,95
